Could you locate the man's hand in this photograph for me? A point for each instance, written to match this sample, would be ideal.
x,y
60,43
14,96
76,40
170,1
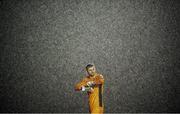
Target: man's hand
x,y
83,88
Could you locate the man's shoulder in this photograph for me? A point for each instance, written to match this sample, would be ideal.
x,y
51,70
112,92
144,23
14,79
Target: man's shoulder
x,y
100,75
86,78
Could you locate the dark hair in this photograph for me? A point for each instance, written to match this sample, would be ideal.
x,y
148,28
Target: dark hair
x,y
89,66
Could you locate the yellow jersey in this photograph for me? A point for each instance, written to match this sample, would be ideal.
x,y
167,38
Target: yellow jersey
x,y
95,96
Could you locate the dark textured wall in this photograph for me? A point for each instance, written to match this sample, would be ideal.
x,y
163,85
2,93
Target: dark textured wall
x,y
45,45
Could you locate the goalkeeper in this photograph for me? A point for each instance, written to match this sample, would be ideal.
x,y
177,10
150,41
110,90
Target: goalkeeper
x,y
93,84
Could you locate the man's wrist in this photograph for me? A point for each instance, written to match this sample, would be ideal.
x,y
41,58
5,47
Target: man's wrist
x,y
83,88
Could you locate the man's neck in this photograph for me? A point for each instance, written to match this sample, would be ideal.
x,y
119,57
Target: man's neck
x,y
92,76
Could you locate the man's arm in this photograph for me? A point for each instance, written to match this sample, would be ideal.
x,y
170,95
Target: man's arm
x,y
79,85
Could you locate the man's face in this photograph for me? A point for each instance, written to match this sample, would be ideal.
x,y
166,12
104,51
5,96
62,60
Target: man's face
x,y
91,71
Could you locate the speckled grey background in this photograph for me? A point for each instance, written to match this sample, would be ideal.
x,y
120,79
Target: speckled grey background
x,y
45,45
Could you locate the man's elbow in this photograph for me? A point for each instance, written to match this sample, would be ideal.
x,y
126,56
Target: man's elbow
x,y
76,88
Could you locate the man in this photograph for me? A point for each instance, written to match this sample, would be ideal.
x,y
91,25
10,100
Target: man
x,y
93,84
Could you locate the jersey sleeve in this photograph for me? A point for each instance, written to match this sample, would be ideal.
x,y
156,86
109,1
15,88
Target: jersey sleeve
x,y
79,85
99,79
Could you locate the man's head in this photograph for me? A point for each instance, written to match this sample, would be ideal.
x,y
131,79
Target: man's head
x,y
91,70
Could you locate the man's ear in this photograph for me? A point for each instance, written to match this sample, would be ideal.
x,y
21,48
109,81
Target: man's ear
x,y
94,68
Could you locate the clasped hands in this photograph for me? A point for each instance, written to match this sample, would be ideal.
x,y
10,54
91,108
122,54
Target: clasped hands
x,y
89,86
